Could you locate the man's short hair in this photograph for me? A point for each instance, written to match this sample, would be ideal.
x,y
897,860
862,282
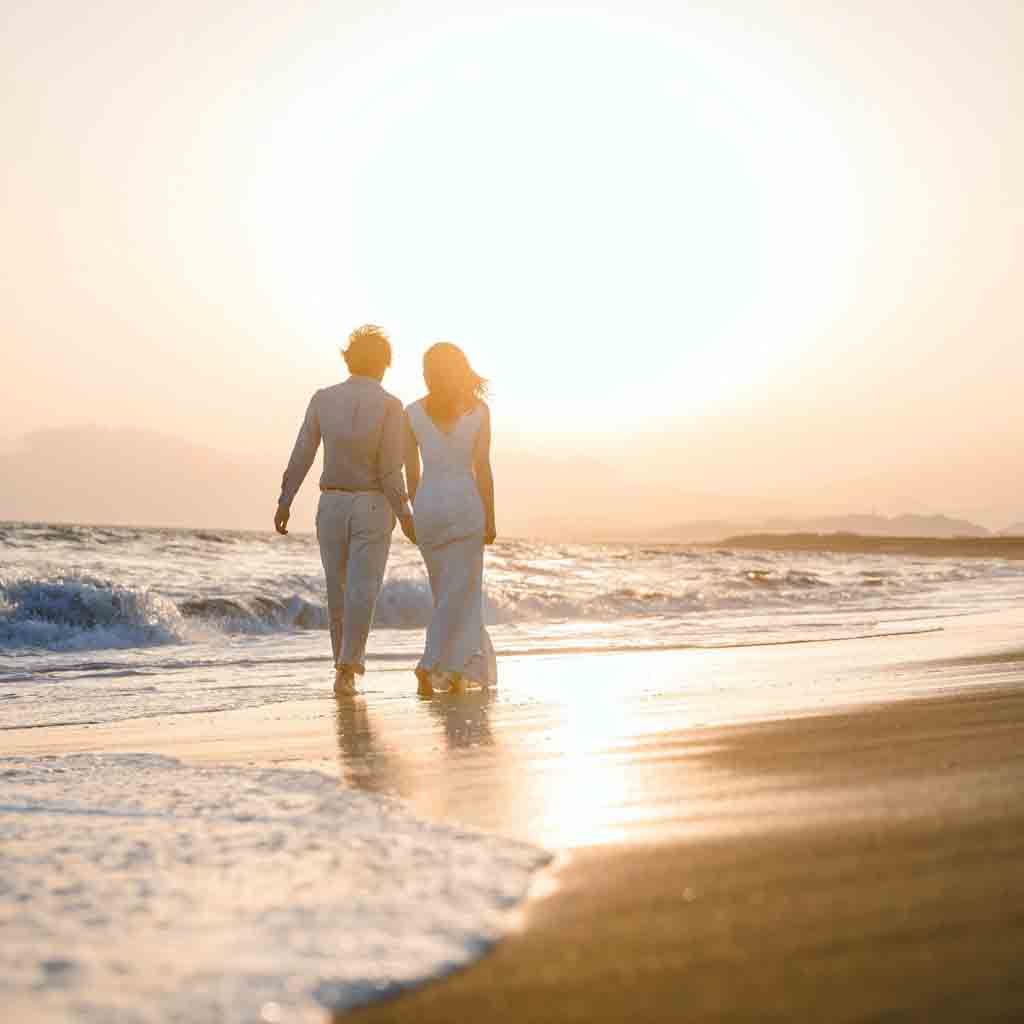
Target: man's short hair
x,y
369,351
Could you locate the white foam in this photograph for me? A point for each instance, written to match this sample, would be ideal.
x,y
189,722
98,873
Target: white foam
x,y
80,612
70,589
135,888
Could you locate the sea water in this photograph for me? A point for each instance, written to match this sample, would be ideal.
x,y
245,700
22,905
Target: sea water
x,y
99,624
137,888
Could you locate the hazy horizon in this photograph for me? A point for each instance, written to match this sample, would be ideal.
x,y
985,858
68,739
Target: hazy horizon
x,y
750,258
76,475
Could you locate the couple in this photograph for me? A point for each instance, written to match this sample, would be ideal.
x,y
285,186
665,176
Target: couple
x,y
367,439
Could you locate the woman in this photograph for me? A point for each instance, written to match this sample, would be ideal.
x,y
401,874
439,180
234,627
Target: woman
x,y
453,512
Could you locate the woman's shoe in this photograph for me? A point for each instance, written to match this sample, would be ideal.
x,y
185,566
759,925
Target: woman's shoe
x,y
424,687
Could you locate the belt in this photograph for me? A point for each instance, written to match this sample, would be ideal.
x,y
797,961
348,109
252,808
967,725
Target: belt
x,y
351,490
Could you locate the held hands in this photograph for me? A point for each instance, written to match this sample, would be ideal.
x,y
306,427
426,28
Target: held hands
x,y
408,527
281,519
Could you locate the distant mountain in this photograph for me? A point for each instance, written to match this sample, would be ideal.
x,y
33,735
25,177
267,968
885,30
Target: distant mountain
x,y
894,526
561,498
92,474
125,475
864,525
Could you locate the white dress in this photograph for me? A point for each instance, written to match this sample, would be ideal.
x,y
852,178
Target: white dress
x,y
449,519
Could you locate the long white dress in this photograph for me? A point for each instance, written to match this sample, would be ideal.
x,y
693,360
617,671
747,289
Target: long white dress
x,y
449,519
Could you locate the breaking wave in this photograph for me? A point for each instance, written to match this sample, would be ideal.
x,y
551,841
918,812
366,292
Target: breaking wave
x,y
68,587
82,613
87,613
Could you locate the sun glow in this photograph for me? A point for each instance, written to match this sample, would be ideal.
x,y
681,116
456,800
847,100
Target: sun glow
x,y
598,203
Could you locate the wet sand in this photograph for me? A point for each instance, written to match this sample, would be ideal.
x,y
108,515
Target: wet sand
x,y
816,832
903,902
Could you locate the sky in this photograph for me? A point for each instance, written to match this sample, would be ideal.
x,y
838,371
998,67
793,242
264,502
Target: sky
x,y
768,251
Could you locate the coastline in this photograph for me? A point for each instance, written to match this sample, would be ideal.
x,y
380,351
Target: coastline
x,y
861,544
911,922
904,907
829,830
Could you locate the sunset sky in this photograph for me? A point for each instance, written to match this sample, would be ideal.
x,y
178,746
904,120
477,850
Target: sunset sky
x,y
759,248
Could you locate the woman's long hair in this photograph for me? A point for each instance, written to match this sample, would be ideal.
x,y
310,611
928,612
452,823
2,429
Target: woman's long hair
x,y
453,386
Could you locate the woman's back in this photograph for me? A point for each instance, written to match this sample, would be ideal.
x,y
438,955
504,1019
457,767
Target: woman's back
x,y
449,448
448,505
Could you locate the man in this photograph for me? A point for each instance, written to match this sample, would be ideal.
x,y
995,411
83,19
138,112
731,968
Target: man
x,y
362,492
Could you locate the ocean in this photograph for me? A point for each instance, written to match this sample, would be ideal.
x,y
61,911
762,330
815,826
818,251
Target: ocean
x,y
99,624
136,887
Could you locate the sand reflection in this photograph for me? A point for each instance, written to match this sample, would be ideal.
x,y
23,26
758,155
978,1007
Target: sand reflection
x,y
365,762
465,719
586,787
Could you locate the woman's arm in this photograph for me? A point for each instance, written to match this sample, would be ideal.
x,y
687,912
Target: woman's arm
x,y
412,461
485,476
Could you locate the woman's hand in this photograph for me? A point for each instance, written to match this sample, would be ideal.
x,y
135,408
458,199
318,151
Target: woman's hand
x,y
408,526
485,476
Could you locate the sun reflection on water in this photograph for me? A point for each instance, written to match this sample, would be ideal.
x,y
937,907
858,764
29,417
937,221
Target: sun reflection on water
x,y
586,792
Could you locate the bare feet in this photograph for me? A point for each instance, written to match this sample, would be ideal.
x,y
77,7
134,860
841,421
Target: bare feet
x,y
344,683
424,687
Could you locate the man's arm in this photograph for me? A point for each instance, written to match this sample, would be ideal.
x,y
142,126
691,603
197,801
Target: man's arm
x,y
390,456
303,454
485,476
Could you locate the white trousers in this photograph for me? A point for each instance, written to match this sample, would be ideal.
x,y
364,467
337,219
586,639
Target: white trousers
x,y
354,530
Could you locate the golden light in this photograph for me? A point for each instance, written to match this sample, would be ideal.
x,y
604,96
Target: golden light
x,y
588,203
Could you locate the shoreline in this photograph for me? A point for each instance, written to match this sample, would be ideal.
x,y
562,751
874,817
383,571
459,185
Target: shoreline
x,y
797,832
902,908
992,546
628,729
862,544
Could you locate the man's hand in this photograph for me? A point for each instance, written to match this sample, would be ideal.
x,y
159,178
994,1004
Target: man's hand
x,y
490,534
408,527
281,518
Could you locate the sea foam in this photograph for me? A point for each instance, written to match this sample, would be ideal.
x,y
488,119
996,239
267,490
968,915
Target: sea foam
x,y
80,612
76,588
135,888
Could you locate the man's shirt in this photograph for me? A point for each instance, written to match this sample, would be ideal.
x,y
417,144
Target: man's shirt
x,y
363,431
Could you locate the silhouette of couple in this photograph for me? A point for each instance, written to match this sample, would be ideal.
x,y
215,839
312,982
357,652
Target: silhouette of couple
x,y
368,437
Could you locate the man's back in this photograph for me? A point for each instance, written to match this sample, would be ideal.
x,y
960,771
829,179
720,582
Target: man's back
x,y
362,429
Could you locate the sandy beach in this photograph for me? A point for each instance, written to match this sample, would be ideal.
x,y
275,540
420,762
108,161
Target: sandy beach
x,y
903,905
793,832
654,361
